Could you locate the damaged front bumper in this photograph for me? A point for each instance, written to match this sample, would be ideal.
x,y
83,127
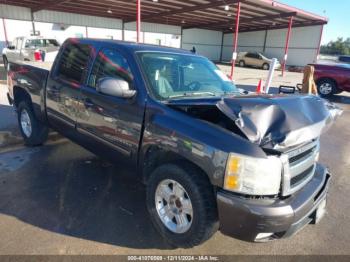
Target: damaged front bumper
x,y
262,220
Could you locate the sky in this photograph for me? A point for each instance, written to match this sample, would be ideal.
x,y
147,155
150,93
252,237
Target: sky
x,y
337,11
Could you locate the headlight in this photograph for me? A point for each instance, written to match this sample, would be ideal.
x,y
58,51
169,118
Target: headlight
x,y
253,176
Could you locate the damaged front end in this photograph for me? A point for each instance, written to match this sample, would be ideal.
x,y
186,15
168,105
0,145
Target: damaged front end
x,y
284,126
272,122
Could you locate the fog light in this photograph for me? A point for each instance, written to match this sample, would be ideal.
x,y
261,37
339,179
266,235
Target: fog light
x,y
263,236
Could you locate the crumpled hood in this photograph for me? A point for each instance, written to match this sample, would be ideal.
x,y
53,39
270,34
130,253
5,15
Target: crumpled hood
x,y
280,121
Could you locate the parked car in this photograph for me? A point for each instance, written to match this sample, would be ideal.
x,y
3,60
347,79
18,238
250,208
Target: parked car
x,y
344,59
209,156
332,78
255,59
30,49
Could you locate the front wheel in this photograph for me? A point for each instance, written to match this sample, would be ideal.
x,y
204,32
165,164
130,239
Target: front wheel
x,y
33,132
327,87
241,63
182,206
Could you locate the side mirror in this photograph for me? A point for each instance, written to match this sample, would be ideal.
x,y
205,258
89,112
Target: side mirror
x,y
11,47
115,86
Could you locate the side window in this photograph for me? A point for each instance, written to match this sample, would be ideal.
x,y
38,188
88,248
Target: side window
x,y
249,55
73,62
109,63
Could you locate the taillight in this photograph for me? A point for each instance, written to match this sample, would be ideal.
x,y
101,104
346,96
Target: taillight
x,y
37,55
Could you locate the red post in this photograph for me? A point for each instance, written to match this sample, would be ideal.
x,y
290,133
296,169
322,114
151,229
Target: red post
x,y
138,21
319,44
235,40
287,45
5,32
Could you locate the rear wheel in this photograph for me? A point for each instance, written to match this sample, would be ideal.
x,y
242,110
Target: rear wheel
x,y
33,131
241,63
327,87
266,66
182,206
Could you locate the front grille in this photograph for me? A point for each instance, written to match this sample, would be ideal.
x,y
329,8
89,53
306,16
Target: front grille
x,y
301,156
299,167
299,178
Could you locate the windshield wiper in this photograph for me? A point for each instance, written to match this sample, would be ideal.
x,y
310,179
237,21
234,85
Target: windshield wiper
x,y
193,94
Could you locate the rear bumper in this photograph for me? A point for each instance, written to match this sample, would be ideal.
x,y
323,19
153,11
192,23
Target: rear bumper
x,y
245,218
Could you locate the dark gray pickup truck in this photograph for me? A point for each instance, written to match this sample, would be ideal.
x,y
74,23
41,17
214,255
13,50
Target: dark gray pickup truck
x,y
211,158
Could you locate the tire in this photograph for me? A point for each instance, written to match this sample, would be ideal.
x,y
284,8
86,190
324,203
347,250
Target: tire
x,y
327,87
33,132
266,66
241,63
4,59
196,190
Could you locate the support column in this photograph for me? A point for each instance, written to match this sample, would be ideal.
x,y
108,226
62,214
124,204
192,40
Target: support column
x,y
235,40
285,58
86,32
33,24
181,36
123,30
265,39
222,46
138,21
319,44
5,32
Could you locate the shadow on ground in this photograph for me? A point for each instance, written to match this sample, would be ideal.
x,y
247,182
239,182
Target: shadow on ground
x,y
67,190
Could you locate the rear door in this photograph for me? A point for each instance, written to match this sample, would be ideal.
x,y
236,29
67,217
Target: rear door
x,y
63,96
114,122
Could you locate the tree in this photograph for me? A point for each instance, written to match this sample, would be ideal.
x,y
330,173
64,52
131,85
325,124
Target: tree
x,y
338,47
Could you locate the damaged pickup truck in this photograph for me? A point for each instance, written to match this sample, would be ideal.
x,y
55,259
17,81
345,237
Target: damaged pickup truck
x,y
211,158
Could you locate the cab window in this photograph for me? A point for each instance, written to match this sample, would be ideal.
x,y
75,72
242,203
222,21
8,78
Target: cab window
x,y
110,63
73,62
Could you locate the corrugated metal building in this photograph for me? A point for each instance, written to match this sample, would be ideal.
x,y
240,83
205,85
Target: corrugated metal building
x,y
204,27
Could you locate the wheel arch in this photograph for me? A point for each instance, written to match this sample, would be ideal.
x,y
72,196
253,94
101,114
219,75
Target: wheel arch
x,y
326,78
156,156
19,95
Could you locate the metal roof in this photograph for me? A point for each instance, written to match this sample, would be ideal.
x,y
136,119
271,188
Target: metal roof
x,y
207,14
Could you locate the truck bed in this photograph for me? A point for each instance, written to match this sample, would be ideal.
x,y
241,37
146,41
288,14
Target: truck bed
x,y
41,65
30,77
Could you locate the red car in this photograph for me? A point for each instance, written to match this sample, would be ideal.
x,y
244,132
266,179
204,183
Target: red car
x,y
332,78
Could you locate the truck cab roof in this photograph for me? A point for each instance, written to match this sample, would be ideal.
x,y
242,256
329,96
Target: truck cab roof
x,y
128,46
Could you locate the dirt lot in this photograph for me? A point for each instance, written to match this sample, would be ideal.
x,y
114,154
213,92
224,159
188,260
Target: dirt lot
x,y
61,199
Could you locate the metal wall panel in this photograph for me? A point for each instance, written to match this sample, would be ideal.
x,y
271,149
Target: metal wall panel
x,y
249,41
14,12
76,19
206,42
154,28
302,49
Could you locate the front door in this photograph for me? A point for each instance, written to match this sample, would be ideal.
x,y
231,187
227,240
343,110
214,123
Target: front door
x,y
113,121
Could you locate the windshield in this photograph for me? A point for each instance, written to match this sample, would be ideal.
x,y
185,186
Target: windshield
x,y
180,76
